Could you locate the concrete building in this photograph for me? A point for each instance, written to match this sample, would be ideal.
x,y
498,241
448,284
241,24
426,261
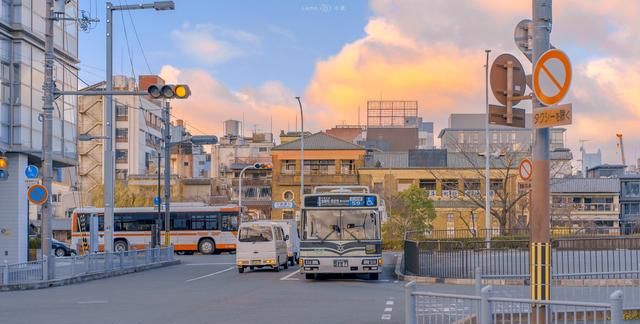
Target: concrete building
x,y
22,26
630,202
188,160
328,160
138,134
585,203
465,132
230,156
589,160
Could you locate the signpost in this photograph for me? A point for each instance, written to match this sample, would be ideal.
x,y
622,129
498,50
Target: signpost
x,y
552,116
526,169
498,116
31,171
508,84
157,201
283,204
37,194
552,76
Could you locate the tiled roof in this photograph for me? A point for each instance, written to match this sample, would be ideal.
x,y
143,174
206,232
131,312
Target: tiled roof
x,y
319,141
585,185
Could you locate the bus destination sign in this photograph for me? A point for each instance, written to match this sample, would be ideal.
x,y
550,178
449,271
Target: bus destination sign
x,y
341,201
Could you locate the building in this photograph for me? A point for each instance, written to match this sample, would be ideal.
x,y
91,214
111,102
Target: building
x,y
350,133
589,160
465,132
188,160
585,203
630,202
138,134
606,170
328,160
22,26
290,136
235,152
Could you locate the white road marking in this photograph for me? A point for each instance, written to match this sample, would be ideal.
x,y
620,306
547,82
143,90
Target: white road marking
x,y
385,317
388,310
204,264
93,302
211,274
389,302
395,281
288,277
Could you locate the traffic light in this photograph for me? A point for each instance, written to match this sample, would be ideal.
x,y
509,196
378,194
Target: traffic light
x,y
262,165
4,168
169,91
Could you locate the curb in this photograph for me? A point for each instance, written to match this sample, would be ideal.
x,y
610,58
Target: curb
x,y
86,277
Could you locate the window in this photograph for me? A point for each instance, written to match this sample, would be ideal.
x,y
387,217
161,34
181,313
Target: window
x,y
255,233
427,184
319,167
122,112
496,185
229,222
122,134
347,167
180,221
288,167
134,221
122,156
278,234
450,184
263,149
631,189
472,187
287,214
204,222
121,174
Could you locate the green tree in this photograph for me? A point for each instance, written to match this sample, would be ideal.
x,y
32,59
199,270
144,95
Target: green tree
x,y
409,210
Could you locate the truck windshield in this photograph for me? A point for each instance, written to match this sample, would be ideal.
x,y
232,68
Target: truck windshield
x,y
347,225
254,233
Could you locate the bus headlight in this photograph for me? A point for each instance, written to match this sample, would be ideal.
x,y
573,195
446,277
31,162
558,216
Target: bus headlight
x,y
311,262
370,261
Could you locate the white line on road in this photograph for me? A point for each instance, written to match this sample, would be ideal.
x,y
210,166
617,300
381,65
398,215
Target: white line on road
x,y
288,277
93,302
386,317
389,302
204,264
388,310
211,274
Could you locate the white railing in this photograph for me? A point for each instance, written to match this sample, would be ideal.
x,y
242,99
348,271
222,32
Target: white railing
x,y
450,193
74,266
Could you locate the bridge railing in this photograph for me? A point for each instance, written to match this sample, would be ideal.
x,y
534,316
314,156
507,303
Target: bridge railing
x,y
74,266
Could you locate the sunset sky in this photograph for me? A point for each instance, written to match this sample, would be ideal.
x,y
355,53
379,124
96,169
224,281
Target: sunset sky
x,y
251,58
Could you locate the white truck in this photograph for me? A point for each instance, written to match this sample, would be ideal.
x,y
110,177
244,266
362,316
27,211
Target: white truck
x,y
293,244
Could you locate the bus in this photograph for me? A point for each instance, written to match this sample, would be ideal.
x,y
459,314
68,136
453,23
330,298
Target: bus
x,y
341,232
204,229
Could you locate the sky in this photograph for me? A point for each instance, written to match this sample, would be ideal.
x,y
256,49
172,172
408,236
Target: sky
x,y
249,60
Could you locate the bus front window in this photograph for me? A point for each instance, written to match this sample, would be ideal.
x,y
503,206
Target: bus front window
x,y
322,225
359,225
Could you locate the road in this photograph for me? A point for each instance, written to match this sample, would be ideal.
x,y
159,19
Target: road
x,y
209,289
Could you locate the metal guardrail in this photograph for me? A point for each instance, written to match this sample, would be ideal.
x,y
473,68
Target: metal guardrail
x,y
74,266
437,308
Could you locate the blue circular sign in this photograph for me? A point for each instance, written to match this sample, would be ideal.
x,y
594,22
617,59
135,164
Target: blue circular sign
x,y
37,194
157,201
31,171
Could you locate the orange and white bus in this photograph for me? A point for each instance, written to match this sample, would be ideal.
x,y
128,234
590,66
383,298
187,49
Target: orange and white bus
x,y
205,229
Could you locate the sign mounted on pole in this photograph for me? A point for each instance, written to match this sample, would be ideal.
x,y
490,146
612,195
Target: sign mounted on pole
x,y
499,79
552,76
522,37
37,194
526,169
282,204
498,116
552,116
31,171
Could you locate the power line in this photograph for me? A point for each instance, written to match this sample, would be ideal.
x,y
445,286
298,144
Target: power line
x,y
135,31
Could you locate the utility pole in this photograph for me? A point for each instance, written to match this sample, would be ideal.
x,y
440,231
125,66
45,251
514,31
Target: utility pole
x,y
540,233
487,176
108,167
47,137
167,171
301,156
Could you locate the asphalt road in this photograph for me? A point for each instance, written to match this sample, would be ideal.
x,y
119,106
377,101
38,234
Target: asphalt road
x,y
208,289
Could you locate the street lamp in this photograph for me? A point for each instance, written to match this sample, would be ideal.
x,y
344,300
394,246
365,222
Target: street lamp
x,y
109,158
250,166
301,154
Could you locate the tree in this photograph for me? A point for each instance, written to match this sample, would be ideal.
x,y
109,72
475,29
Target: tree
x,y
126,196
409,210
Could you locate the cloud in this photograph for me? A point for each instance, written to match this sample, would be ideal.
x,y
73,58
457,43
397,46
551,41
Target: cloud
x,y
209,44
433,52
211,102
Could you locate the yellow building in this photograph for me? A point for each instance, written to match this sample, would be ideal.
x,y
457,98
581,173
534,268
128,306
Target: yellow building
x,y
454,191
328,160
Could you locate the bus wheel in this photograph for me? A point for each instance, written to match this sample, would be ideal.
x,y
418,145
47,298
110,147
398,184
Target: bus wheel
x,y
373,276
120,246
206,246
309,276
241,270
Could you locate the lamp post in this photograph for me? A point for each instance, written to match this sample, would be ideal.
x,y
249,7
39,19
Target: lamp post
x,y
487,181
240,187
301,154
109,159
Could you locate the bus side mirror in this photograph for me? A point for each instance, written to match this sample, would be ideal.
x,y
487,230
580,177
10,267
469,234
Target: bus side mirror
x,y
286,237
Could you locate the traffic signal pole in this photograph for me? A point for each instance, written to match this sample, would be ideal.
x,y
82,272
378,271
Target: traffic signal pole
x,y
167,171
540,250
47,137
108,166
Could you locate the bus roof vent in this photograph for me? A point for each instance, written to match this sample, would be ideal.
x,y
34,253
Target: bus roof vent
x,y
341,189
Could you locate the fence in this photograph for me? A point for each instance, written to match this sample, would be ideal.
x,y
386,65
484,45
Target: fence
x,y
74,266
510,257
437,308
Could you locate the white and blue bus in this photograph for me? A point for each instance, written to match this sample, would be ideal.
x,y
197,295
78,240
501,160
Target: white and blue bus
x,y
341,232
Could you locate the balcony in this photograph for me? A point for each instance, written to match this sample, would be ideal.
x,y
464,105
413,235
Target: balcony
x,y
472,193
249,182
316,180
450,194
588,207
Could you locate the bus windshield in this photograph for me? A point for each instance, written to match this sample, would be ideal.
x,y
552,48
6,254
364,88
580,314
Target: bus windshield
x,y
346,225
255,233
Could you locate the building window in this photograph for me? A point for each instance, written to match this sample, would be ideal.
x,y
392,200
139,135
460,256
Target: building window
x,y
122,134
347,167
320,167
472,187
122,156
121,174
288,167
287,214
631,189
122,112
428,184
263,149
496,185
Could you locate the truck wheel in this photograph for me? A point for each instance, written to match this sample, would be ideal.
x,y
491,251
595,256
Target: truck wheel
x,y
373,276
241,270
309,276
276,267
286,265
292,261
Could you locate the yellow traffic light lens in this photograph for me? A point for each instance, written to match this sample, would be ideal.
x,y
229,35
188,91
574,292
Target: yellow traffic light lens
x,y
180,91
3,163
